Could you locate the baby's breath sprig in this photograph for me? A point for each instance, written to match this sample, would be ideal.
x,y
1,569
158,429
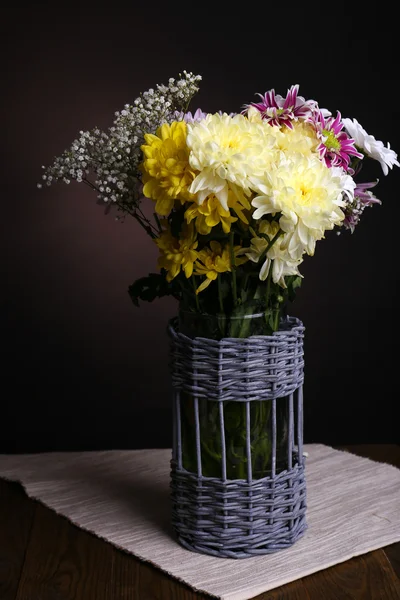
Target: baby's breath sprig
x,y
113,157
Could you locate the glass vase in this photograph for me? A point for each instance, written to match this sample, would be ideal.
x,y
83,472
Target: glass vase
x,y
217,327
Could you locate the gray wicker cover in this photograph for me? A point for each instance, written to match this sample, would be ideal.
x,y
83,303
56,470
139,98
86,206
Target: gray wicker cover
x,y
244,517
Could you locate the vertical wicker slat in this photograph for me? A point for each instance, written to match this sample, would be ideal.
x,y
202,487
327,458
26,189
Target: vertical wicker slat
x,y
178,450
291,431
239,518
223,447
300,425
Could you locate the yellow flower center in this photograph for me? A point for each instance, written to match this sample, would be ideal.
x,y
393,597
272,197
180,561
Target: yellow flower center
x,y
331,142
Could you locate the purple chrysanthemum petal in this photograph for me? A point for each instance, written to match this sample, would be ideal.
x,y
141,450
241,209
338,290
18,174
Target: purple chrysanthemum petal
x,y
199,115
279,111
362,198
335,147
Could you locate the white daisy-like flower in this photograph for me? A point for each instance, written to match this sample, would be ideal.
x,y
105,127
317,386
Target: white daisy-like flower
x,y
278,255
230,152
375,149
347,183
309,197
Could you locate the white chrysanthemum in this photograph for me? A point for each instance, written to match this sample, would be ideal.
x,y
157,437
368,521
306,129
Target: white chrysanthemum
x,y
347,183
308,194
278,255
302,138
254,115
373,148
230,152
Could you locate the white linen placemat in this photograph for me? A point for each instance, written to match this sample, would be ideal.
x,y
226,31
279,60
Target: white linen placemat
x,y
123,497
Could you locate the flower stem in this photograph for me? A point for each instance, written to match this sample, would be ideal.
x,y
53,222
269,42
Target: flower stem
x,y
221,304
268,307
269,277
245,282
233,268
91,185
270,244
141,219
147,221
157,220
146,227
195,293
276,317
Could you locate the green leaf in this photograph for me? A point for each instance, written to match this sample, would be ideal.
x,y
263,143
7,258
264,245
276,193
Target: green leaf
x,y
293,282
147,289
269,320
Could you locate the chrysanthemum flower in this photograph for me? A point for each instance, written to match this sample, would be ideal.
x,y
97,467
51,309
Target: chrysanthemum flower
x,y
214,260
211,212
228,152
208,215
177,254
355,207
375,149
188,117
335,147
310,197
277,256
167,174
279,111
300,138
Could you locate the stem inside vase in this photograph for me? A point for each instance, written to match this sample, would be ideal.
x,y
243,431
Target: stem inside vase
x,y
241,324
235,429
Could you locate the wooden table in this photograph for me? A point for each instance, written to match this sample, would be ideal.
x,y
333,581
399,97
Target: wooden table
x,y
44,557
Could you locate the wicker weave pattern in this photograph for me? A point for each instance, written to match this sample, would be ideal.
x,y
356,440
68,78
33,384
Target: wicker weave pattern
x,y
243,517
254,368
238,519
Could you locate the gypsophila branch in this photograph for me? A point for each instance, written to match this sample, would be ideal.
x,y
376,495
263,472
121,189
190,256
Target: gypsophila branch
x,y
157,220
147,221
114,156
145,226
90,184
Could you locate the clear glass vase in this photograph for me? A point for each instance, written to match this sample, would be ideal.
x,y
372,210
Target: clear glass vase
x,y
217,327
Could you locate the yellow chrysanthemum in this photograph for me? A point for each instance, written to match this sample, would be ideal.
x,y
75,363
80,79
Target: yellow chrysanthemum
x,y
177,253
167,174
214,260
211,212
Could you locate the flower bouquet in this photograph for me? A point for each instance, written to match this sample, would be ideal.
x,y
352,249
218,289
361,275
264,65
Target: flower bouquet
x,y
234,203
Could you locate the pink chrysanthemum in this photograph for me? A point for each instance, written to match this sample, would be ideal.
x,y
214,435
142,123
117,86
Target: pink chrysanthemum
x,y
277,110
336,146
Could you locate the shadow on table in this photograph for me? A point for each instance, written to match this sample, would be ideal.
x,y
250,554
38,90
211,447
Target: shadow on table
x,y
149,499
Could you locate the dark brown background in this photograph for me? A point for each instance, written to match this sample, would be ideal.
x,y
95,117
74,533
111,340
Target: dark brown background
x,y
81,366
